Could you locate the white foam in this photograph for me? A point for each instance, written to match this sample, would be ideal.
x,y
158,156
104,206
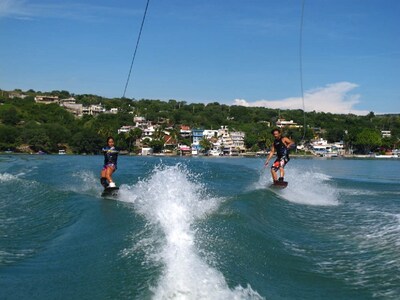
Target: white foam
x,y
6,177
87,183
368,253
305,187
172,199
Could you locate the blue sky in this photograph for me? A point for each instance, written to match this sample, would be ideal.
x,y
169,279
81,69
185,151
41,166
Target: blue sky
x,y
233,52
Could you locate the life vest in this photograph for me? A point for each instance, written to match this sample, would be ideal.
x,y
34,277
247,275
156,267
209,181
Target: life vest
x,y
281,149
110,156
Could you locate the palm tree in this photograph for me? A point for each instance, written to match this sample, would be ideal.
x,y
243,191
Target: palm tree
x,y
158,133
205,144
131,136
105,131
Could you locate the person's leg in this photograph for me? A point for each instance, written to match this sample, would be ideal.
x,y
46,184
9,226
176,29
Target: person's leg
x,y
108,173
282,164
274,175
282,173
103,179
274,169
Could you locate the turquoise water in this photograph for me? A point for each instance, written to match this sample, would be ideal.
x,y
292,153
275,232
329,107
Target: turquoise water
x,y
199,228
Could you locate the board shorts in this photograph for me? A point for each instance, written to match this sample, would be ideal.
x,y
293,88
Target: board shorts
x,y
279,163
109,166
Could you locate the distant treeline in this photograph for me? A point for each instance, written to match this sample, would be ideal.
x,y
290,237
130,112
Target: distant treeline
x,y
50,127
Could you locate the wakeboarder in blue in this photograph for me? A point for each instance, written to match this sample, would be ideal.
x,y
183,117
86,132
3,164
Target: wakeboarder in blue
x,y
110,164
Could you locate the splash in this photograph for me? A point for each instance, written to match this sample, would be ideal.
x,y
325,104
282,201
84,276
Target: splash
x,y
6,177
172,199
86,182
305,187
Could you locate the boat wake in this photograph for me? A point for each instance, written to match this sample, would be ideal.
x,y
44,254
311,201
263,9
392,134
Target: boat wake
x,y
84,182
305,187
171,200
30,216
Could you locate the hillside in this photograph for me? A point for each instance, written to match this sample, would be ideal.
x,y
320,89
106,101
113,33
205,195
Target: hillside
x,y
50,127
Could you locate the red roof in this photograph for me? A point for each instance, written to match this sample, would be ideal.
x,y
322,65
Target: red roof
x,y
168,140
185,127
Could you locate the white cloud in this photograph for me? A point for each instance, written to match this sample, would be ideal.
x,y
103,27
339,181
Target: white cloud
x,y
333,98
24,9
13,8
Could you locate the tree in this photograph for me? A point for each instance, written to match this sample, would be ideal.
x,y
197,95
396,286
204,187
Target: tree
x,y
250,140
9,115
157,145
367,140
8,137
146,142
57,134
205,144
40,141
60,126
87,141
389,143
131,136
158,132
36,138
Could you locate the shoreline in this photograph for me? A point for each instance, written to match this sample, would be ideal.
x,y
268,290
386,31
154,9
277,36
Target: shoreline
x,y
249,155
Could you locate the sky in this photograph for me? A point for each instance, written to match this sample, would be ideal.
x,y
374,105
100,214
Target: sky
x,y
345,58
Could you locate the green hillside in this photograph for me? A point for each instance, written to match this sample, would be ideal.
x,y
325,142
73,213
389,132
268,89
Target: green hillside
x,y
25,124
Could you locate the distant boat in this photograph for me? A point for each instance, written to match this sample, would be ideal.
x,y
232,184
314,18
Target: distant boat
x,y
61,152
214,152
387,155
330,154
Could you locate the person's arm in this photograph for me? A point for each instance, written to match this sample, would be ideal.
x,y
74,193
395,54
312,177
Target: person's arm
x,y
288,142
271,153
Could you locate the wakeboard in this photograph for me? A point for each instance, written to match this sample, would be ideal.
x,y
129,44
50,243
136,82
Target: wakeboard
x,y
279,184
110,192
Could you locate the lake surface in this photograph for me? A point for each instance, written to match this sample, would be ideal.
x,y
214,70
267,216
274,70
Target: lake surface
x,y
199,228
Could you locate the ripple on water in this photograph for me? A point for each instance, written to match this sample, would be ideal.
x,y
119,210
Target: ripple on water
x,y
30,215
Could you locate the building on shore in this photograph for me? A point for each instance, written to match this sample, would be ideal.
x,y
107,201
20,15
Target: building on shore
x,y
125,129
14,95
47,99
93,110
386,133
185,131
321,147
281,123
197,136
70,105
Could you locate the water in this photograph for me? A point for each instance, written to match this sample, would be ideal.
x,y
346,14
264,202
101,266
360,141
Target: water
x,y
199,228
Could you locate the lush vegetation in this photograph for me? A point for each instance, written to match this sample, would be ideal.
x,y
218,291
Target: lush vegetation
x,y
50,127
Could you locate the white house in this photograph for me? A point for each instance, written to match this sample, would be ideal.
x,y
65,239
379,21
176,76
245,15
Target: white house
x,y
283,123
114,110
149,131
238,139
386,133
185,131
147,151
323,148
141,122
125,129
74,108
210,133
46,99
93,109
70,100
